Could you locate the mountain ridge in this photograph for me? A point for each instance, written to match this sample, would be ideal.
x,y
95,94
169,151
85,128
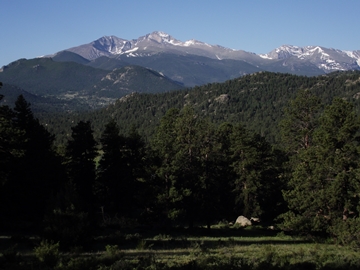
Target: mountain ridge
x,y
326,59
74,86
93,75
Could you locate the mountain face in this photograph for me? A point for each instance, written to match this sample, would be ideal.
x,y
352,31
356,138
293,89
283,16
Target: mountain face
x,y
324,59
56,85
93,75
156,42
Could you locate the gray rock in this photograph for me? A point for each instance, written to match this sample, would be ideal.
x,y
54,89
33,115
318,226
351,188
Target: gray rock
x,y
243,221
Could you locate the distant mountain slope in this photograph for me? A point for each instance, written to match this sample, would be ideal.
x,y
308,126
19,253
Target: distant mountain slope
x,y
39,104
67,56
45,77
293,66
77,86
11,93
193,70
107,63
125,80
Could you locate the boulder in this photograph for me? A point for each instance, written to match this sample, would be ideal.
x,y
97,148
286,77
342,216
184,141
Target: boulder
x,y
243,221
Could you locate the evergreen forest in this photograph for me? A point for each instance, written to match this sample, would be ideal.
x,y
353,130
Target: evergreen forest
x,y
280,148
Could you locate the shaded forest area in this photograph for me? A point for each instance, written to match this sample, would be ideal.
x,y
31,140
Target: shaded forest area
x,y
193,171
186,165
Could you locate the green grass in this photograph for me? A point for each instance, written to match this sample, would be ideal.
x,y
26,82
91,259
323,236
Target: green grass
x,y
187,249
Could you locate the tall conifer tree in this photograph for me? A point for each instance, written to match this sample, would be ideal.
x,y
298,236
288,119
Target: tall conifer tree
x,y
324,186
35,175
81,153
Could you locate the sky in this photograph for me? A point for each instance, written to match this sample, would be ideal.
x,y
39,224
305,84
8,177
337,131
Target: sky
x,y
32,28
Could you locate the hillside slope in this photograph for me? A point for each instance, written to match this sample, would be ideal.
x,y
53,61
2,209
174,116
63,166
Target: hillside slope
x,y
81,87
257,101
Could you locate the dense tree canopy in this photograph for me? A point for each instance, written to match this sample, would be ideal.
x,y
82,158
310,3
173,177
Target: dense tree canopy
x,y
197,168
32,170
323,188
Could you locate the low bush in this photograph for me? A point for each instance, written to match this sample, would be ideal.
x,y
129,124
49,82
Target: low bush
x,y
69,228
48,253
347,232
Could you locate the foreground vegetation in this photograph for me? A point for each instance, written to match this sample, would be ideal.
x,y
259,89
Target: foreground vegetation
x,y
119,192
219,248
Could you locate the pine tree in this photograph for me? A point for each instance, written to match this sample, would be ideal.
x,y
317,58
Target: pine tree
x,y
214,195
257,175
163,144
324,186
81,153
192,173
121,171
9,150
338,141
187,163
110,188
137,173
300,121
36,172
244,187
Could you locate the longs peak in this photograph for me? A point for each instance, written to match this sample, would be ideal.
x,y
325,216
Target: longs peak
x,y
324,59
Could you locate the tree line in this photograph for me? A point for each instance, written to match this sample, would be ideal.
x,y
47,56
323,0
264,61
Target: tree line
x,y
190,172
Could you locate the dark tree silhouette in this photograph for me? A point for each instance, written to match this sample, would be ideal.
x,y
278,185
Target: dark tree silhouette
x,y
81,153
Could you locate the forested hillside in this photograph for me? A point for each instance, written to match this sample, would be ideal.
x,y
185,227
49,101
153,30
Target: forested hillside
x,y
71,86
191,171
256,101
186,159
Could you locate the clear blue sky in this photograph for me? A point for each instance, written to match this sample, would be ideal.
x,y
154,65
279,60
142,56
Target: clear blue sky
x,y
31,28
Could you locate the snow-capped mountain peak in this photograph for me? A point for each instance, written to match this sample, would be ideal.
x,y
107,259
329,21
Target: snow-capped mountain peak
x,y
110,44
285,51
355,55
159,36
325,59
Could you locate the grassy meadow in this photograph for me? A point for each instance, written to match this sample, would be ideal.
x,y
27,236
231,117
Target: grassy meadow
x,y
221,247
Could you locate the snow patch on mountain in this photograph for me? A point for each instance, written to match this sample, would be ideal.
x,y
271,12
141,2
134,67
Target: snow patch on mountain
x,y
193,42
326,59
132,50
355,55
265,56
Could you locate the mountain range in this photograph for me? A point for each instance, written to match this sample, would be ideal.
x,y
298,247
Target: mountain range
x,y
92,75
324,59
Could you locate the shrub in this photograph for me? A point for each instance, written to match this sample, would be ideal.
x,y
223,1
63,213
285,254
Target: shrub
x,y
47,253
111,250
143,244
347,232
68,227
